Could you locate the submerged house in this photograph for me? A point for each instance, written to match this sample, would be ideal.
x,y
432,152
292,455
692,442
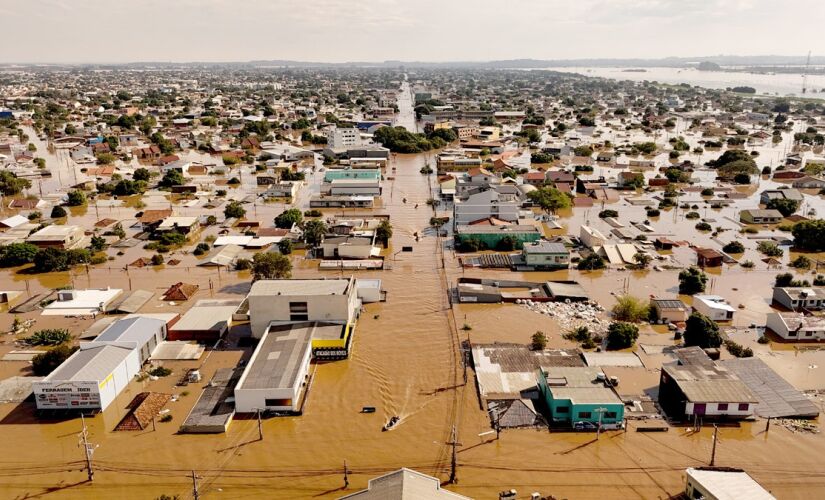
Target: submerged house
x,y
579,394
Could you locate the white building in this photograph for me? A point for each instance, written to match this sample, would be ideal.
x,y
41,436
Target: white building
x,y
714,307
796,326
404,484
294,301
342,137
355,187
485,205
723,484
276,374
796,298
92,377
81,302
591,237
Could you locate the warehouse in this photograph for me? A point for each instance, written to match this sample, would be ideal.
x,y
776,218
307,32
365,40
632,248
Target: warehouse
x,y
92,377
207,321
723,484
492,236
276,374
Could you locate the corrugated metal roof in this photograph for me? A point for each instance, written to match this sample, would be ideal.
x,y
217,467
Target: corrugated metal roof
x,y
91,363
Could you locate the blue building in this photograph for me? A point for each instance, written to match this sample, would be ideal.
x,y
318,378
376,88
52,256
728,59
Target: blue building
x,y
579,394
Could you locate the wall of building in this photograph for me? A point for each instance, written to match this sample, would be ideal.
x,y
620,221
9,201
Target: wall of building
x,y
264,309
713,409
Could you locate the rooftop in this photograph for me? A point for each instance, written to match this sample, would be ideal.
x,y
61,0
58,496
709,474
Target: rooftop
x,y
276,361
301,287
729,484
579,384
93,362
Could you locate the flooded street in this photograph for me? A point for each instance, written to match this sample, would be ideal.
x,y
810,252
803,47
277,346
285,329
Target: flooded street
x,y
406,361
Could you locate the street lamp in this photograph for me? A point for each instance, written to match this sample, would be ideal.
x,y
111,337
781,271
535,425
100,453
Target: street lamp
x,y
600,411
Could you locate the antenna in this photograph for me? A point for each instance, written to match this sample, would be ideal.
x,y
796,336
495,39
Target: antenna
x,y
805,73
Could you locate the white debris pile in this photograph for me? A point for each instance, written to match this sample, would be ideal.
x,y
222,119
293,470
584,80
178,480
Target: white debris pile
x,y
570,315
795,425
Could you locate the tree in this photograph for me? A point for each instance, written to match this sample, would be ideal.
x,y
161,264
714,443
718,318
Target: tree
x,y
51,259
314,231
49,336
288,218
58,212
171,178
591,262
734,247
17,254
76,198
629,308
141,174
642,260
97,244
809,235
106,158
604,214
234,209
45,363
157,259
550,199
11,185
692,281
383,232
270,265
785,206
621,335
701,331
125,187
538,341
285,246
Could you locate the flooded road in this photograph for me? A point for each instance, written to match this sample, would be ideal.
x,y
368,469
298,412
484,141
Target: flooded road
x,y
406,361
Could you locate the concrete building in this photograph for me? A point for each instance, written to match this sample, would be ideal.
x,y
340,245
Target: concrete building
x,y
404,484
355,187
349,247
709,483
342,137
342,201
93,376
485,205
277,372
579,394
695,387
714,307
591,237
545,255
799,298
760,216
206,321
493,235
64,237
795,326
333,304
82,302
670,310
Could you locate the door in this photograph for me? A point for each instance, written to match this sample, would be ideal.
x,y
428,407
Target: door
x,y
699,408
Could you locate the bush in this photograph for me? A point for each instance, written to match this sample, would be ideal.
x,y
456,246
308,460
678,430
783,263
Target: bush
x,y
591,262
737,350
234,210
58,212
734,247
160,371
201,249
769,248
621,335
539,341
692,215
313,213
285,246
703,226
157,259
76,198
288,217
653,212
17,254
98,259
707,192
243,264
608,213
50,336
801,262
166,418
45,363
631,309
270,266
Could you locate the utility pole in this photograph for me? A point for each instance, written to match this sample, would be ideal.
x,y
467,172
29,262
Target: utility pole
x,y
260,427
195,486
346,475
768,425
453,461
713,451
87,449
600,411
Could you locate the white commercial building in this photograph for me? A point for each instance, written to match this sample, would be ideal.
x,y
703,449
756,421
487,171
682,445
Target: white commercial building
x,y
485,205
93,376
81,302
342,137
714,307
708,483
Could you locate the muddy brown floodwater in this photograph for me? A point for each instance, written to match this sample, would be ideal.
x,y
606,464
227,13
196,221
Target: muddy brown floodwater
x,y
406,361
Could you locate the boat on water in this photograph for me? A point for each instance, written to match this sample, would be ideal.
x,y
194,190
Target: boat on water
x,y
392,423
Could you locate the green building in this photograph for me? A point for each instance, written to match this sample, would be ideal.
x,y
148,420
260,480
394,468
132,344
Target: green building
x,y
579,394
358,174
491,236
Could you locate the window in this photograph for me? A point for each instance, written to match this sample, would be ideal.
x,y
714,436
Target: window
x,y
722,407
298,311
277,402
562,409
743,406
610,414
584,414
791,334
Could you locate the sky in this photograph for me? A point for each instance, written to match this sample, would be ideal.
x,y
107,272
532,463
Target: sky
x,y
118,31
